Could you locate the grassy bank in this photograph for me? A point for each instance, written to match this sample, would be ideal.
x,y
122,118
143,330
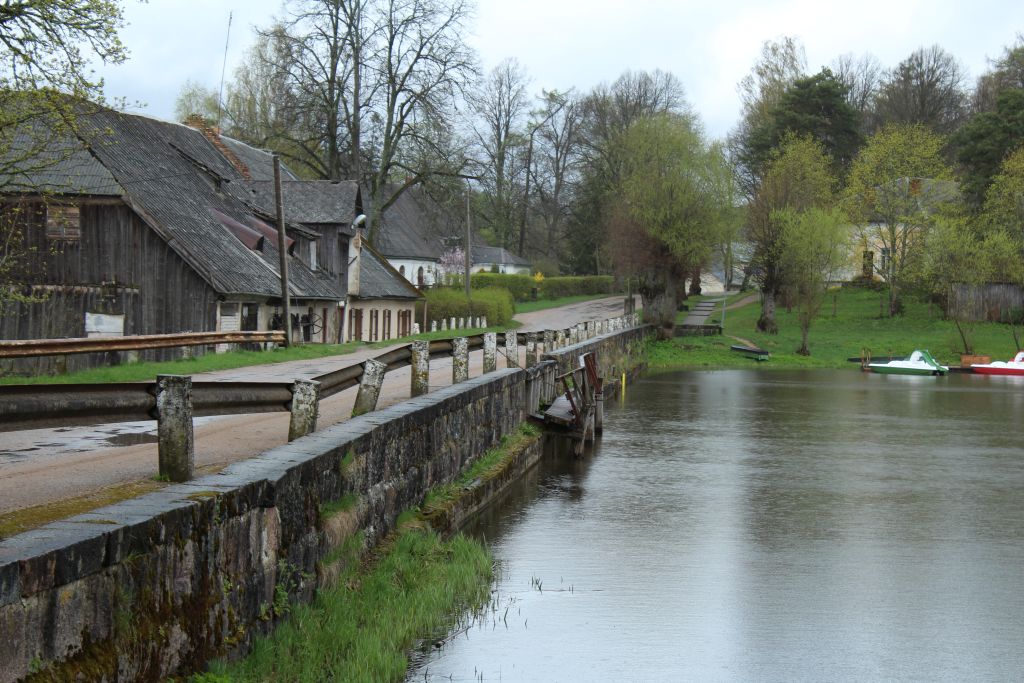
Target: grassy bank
x,y
848,323
361,629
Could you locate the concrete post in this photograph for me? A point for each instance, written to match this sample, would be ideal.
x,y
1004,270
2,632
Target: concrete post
x,y
369,387
433,326
415,328
559,339
511,349
175,442
490,351
483,321
444,324
420,367
460,360
451,325
549,341
305,408
531,349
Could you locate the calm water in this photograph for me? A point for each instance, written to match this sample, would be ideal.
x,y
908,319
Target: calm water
x,y
778,526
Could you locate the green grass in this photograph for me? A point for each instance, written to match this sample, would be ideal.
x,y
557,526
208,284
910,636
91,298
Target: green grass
x,y
361,629
833,339
147,371
544,304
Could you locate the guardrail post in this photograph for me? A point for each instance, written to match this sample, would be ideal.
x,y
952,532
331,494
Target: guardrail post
x,y
483,321
420,367
511,349
451,325
460,359
433,326
369,387
305,408
531,349
490,352
175,442
549,341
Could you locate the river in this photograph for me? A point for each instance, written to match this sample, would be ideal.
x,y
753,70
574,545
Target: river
x,y
765,525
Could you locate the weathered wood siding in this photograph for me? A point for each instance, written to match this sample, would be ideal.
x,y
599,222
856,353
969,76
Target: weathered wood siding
x,y
993,302
119,266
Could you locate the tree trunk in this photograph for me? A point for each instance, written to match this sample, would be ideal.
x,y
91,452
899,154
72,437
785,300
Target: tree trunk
x,y
695,282
766,323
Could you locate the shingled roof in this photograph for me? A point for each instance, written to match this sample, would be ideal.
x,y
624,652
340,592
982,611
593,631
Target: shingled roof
x,y
175,179
307,201
485,254
379,280
403,230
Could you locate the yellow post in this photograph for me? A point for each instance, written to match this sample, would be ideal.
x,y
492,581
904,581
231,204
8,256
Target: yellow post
x,y
623,385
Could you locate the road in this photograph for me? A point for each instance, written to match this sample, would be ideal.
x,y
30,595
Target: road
x,y
41,466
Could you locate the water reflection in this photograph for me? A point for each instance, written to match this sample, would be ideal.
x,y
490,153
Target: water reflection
x,y
750,525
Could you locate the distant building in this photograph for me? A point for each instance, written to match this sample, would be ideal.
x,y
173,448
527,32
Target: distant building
x,y
496,259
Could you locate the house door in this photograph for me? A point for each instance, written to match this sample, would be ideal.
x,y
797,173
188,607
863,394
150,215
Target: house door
x,y
355,324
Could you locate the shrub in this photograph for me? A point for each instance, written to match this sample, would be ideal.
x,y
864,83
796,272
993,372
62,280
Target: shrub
x,y
557,287
494,303
520,286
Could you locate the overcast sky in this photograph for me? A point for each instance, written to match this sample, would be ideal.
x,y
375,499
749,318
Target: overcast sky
x,y
710,45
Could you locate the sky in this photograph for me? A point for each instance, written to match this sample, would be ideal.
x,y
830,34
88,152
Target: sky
x,y
710,45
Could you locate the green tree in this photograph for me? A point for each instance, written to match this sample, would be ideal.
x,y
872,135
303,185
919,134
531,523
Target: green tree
x,y
666,210
1004,200
798,178
815,106
985,141
896,186
815,245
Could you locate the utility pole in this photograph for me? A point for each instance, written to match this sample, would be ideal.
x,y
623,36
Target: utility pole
x,y
469,245
282,250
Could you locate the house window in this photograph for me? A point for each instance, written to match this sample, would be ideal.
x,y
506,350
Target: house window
x,y
374,324
63,223
387,324
419,277
312,255
885,259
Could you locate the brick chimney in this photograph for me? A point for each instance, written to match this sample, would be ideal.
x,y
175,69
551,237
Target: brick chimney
x,y
213,135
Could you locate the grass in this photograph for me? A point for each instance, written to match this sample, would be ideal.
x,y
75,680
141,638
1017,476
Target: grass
x,y
210,362
361,629
26,519
855,325
487,466
544,304
147,371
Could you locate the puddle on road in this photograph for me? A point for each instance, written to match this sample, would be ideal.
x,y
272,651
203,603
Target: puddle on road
x,y
131,439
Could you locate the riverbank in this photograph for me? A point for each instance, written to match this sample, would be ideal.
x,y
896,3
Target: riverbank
x,y
848,323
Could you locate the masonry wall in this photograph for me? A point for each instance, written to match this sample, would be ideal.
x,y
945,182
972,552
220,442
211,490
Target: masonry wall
x,y
159,584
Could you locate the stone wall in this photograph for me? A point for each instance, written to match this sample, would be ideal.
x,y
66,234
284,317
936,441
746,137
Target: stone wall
x,y
159,584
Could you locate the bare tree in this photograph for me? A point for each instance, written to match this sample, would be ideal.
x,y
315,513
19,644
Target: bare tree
x,y
861,76
500,107
556,162
928,87
358,89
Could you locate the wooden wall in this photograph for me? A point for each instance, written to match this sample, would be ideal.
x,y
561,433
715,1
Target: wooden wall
x,y
118,266
993,302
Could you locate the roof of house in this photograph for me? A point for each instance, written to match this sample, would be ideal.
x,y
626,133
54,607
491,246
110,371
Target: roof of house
x,y
175,179
42,163
259,162
379,280
307,201
498,255
403,231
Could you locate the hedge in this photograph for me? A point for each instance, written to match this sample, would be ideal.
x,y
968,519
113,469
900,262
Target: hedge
x,y
557,287
521,286
445,303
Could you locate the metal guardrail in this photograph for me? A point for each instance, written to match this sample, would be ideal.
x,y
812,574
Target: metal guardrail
x,y
54,347
37,406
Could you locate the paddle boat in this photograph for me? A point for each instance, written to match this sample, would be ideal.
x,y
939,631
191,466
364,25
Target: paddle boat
x,y
919,363
1010,367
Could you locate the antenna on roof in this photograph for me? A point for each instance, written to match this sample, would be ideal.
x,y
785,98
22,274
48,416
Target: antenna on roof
x,y
223,68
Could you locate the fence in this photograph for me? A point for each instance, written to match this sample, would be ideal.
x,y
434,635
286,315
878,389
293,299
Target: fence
x,y
40,406
992,302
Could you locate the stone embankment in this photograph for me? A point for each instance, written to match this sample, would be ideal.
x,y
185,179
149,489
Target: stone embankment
x,y
157,585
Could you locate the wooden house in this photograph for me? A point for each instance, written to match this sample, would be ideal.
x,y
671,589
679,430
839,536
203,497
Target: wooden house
x,y
139,226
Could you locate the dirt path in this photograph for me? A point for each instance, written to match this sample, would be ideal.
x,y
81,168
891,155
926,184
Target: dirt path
x,y
45,465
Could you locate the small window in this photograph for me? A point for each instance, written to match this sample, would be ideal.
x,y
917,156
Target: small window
x,y
63,223
312,255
